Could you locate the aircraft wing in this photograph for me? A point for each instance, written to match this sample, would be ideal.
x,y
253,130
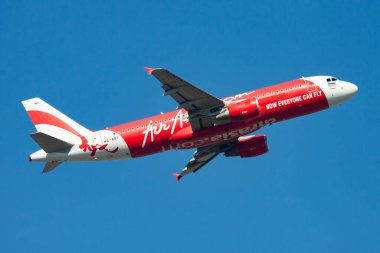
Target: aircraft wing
x,y
197,102
204,155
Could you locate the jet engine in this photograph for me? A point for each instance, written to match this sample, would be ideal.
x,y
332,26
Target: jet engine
x,y
249,146
244,110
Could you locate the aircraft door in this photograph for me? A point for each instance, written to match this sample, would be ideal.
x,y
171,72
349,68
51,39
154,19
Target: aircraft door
x,y
255,107
310,86
254,100
96,139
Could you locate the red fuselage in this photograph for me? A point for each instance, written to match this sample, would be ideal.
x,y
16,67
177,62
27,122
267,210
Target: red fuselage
x,y
172,130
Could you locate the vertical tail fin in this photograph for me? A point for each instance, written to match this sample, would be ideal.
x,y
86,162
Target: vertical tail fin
x,y
52,122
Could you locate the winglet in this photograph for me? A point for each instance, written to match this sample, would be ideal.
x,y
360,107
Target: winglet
x,y
177,176
149,70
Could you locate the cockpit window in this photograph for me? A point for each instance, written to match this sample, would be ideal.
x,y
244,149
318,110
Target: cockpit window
x,y
331,82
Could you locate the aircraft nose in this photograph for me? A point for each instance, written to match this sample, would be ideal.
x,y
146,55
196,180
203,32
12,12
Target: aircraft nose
x,y
348,90
341,93
352,88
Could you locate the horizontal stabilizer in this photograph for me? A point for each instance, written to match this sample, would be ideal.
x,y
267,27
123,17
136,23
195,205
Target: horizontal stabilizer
x,y
49,143
49,166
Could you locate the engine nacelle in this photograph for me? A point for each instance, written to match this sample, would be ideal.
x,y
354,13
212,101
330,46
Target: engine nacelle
x,y
249,146
245,110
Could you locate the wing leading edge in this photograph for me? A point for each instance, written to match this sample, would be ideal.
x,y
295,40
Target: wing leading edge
x,y
199,104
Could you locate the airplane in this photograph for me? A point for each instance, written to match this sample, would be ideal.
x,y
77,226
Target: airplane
x,y
201,121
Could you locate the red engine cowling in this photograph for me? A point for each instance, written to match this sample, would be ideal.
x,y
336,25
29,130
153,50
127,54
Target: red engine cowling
x,y
249,146
245,110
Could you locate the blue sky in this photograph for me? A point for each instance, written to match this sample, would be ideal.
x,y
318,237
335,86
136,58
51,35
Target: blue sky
x,y
317,190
